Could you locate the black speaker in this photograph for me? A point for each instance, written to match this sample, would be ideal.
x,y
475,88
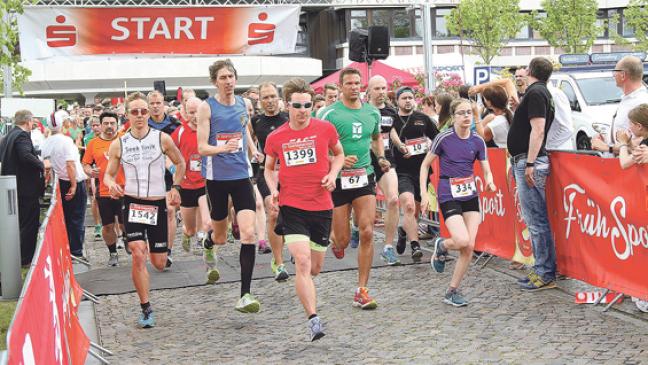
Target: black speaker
x,y
160,86
358,45
378,43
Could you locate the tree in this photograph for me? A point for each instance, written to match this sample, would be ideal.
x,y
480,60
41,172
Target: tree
x,y
9,54
636,17
568,24
487,24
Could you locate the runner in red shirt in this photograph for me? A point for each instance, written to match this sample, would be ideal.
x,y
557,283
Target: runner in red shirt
x,y
193,202
307,178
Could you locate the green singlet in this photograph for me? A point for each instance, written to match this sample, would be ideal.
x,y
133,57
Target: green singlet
x,y
356,128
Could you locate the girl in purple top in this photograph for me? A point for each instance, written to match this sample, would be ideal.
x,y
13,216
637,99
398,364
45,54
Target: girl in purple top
x,y
457,149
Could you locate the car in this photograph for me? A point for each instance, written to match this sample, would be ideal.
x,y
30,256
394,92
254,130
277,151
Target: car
x,y
593,97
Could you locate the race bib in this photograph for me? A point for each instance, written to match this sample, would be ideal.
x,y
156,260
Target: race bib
x,y
385,138
353,179
386,121
195,163
299,153
416,146
463,187
143,214
222,138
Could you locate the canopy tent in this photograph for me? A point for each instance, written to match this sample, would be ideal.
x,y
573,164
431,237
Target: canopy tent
x,y
391,74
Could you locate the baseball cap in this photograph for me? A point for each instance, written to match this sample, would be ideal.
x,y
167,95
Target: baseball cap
x,y
56,120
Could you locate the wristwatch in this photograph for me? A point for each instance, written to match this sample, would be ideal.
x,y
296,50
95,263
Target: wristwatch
x,y
530,164
177,187
611,150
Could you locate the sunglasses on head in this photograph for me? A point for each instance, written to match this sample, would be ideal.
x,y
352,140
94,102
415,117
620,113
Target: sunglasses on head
x,y
139,111
306,105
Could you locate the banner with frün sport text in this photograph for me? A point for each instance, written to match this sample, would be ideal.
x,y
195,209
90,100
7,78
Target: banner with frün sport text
x,y
67,31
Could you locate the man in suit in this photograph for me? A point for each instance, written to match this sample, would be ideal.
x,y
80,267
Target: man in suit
x,y
19,158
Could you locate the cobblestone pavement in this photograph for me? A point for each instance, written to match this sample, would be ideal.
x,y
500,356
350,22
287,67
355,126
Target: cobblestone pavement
x,y
411,325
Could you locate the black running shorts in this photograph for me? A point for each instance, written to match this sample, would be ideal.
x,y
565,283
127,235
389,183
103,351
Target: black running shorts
x,y
156,235
218,192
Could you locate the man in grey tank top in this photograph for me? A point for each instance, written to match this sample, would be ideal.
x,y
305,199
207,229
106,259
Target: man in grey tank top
x,y
142,152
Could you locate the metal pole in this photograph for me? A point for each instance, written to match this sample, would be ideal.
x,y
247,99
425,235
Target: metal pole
x,y
427,46
6,69
10,239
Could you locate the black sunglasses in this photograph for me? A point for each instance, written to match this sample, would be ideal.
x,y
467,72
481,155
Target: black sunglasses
x,y
306,105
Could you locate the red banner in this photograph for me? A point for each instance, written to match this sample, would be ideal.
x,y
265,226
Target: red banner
x,y
46,329
599,216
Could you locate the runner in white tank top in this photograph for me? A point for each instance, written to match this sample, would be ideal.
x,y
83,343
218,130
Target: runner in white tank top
x,y
141,152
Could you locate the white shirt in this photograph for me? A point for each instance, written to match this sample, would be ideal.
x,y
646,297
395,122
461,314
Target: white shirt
x,y
628,102
499,127
562,129
60,148
37,138
144,165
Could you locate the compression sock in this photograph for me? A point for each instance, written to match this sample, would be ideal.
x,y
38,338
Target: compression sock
x,y
112,248
246,259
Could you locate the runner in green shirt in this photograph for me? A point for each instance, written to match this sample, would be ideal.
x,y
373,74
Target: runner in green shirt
x,y
358,126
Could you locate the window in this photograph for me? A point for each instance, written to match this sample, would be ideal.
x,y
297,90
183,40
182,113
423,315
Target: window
x,y
601,18
401,24
627,31
524,33
569,92
359,19
440,27
535,34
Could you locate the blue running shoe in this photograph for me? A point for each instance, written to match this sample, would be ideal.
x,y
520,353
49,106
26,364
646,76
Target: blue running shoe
x,y
389,255
316,328
439,256
146,319
355,237
454,298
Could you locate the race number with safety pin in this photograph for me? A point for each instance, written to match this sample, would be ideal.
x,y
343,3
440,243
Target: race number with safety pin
x,y
299,153
222,138
463,187
143,214
195,163
416,146
353,179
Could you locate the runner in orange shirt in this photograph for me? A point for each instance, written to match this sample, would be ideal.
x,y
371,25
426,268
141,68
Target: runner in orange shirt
x,y
97,154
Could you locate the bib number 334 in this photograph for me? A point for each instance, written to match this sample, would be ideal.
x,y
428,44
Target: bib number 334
x,y
463,187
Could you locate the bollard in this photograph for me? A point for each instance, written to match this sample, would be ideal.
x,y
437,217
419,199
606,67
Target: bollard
x,y
9,239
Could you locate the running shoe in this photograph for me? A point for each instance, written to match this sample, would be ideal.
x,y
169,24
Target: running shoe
x,y
97,232
538,284
146,319
439,256
169,262
401,244
338,252
236,233
186,242
454,298
264,247
230,237
209,258
113,260
197,248
389,255
355,237
363,300
530,276
316,328
120,244
281,274
212,275
248,304
417,253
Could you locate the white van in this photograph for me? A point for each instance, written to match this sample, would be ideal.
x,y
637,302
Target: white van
x,y
594,98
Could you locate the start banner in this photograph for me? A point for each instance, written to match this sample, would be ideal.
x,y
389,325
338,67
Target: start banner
x,y
68,31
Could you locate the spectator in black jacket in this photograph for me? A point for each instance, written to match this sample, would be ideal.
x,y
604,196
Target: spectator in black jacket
x,y
19,158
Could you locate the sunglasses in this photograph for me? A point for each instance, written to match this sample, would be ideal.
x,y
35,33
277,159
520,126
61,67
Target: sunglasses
x,y
306,105
139,111
464,112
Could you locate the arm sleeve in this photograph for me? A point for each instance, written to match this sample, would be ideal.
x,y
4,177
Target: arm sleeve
x,y
88,157
376,129
333,136
537,104
481,149
71,152
268,150
23,150
436,148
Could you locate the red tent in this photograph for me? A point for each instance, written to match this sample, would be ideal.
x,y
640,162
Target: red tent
x,y
377,68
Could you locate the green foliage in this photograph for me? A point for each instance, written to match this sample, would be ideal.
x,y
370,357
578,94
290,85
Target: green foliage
x,y
6,314
8,44
487,24
636,16
569,24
